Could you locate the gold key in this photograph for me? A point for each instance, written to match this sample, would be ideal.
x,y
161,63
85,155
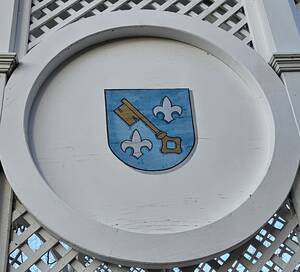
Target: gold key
x,y
130,115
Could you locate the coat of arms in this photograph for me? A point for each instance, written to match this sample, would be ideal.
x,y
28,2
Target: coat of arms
x,y
150,129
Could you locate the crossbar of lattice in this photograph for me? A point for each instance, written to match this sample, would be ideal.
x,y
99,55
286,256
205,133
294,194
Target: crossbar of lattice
x,y
275,247
47,16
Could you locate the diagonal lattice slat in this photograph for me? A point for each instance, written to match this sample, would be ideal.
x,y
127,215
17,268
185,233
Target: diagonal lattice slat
x,y
275,247
48,16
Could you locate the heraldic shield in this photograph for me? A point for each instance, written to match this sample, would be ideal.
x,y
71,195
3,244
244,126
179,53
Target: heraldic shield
x,y
150,129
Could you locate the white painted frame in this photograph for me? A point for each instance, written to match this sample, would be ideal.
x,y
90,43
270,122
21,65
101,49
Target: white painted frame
x,y
117,246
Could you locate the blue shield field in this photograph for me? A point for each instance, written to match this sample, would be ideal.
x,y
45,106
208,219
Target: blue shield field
x,y
150,129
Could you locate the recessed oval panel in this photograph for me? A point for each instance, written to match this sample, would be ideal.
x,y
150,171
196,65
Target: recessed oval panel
x,y
225,163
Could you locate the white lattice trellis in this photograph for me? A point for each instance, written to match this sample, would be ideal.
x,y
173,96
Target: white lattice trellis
x,y
50,15
275,247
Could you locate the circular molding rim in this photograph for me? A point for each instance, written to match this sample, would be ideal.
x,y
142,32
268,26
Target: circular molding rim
x,y
120,246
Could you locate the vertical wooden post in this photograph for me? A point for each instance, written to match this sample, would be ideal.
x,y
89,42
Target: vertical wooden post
x,y
8,22
274,26
22,28
276,32
6,197
8,27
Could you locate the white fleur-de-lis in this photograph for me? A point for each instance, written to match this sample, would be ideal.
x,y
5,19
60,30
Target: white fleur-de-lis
x,y
167,109
136,143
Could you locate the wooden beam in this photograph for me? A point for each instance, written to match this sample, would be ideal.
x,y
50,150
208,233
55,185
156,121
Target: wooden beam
x,y
6,198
